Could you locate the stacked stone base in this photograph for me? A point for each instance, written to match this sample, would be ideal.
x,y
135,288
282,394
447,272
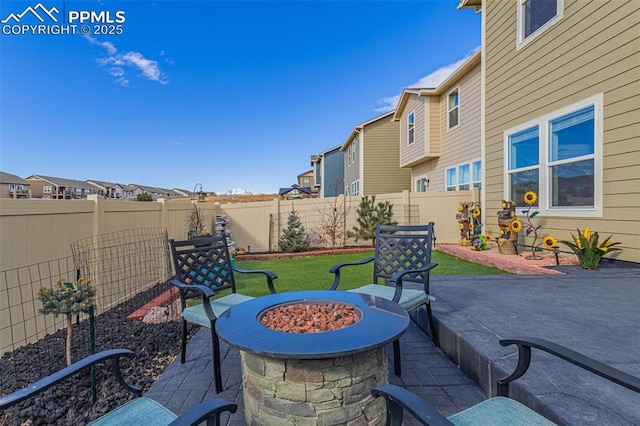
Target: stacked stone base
x,y
333,391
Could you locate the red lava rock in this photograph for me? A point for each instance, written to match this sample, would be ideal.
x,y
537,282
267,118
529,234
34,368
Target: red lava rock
x,y
310,317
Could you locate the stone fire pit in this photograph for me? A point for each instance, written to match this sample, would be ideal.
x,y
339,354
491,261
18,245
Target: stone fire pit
x,y
315,378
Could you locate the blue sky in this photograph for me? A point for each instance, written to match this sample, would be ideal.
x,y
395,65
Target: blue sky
x,y
225,94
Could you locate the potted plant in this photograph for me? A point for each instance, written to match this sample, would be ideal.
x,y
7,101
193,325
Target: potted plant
x,y
587,248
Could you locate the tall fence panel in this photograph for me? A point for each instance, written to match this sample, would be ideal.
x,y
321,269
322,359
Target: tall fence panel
x,y
260,225
20,320
35,231
252,224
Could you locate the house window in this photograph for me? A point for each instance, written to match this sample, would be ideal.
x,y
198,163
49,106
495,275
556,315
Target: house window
x,y
571,159
559,158
352,153
453,107
450,179
476,174
523,150
78,191
422,184
535,15
11,188
306,181
410,128
463,177
317,175
355,187
46,190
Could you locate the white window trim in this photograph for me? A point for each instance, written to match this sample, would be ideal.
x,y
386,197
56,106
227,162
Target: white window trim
x,y
414,128
544,197
457,88
419,178
355,187
457,168
471,172
46,189
521,41
316,175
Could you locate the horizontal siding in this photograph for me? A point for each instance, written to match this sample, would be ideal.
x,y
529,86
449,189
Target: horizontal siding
x,y
434,144
415,151
461,144
594,48
381,172
352,172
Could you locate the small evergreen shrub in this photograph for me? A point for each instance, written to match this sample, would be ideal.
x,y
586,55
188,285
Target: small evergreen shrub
x,y
294,238
369,215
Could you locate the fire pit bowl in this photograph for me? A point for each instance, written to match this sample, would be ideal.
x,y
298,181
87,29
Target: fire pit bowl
x,y
313,378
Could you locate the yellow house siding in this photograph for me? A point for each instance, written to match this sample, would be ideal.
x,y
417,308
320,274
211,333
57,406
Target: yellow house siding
x,y
435,128
409,153
594,48
381,169
462,143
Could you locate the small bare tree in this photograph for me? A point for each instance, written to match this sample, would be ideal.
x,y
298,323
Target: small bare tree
x,y
333,215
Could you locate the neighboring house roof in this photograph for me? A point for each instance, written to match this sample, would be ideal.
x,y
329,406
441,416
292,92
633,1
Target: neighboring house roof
x,y
9,178
104,185
447,83
304,189
62,182
307,173
182,192
477,4
149,189
360,126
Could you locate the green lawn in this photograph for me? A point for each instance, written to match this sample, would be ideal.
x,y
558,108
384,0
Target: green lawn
x,y
312,273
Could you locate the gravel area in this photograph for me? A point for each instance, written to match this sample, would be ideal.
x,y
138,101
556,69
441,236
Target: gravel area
x,y
70,403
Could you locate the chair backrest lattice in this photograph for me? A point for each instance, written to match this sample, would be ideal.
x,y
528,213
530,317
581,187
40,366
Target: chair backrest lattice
x,y
205,261
400,248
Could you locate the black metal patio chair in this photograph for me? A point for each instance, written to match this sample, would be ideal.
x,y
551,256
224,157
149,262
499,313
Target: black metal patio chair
x,y
138,411
498,410
402,255
203,269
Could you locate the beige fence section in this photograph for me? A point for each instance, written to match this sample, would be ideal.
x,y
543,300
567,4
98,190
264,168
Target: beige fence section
x,y
120,239
35,231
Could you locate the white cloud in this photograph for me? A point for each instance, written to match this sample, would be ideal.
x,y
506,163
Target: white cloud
x,y
429,81
150,69
109,47
119,62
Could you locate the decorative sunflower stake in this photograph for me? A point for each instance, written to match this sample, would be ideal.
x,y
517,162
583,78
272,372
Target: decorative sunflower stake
x,y
530,199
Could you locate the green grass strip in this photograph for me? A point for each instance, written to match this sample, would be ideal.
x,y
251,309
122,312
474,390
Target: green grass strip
x,y
312,273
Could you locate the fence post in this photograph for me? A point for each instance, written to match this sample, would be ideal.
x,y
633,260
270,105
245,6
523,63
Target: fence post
x,y
98,213
406,205
276,206
163,213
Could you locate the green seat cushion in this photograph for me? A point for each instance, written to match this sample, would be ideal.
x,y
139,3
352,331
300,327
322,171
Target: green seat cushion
x,y
499,411
196,314
139,411
409,298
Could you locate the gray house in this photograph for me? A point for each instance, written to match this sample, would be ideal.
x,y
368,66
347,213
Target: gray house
x,y
328,172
